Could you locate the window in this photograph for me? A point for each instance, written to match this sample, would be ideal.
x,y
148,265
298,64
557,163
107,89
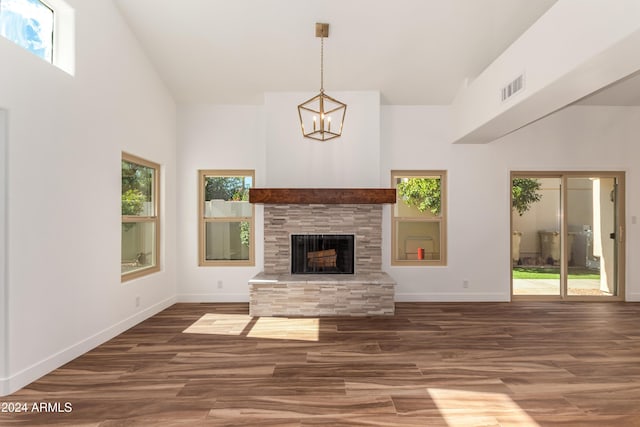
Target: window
x,y
45,28
418,231
140,217
29,23
226,218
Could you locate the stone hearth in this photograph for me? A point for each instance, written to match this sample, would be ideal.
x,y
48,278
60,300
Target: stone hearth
x,y
369,294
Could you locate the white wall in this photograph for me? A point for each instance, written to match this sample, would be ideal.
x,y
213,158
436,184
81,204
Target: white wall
x,y
353,160
416,138
215,137
65,138
577,138
4,303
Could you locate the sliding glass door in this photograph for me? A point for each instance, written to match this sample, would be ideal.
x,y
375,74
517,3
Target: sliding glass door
x,y
594,235
567,235
535,236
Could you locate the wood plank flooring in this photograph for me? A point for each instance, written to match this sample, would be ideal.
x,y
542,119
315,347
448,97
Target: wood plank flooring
x,y
433,364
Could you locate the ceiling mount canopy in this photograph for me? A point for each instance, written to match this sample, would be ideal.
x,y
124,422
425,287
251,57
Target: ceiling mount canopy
x,y
322,117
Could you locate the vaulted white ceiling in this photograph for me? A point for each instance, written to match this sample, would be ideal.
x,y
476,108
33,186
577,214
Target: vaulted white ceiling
x,y
412,51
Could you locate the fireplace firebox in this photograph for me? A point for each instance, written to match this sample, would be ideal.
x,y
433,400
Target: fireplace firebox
x,y
322,253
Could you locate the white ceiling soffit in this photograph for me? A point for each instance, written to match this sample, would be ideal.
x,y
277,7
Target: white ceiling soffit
x,y
625,92
563,59
412,51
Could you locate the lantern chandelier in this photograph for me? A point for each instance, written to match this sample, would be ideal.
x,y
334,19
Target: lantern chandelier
x,y
322,116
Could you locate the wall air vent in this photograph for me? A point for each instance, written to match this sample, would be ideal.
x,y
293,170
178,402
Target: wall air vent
x,y
512,88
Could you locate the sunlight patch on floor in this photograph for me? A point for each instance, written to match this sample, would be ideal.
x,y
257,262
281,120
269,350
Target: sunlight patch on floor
x,y
219,324
282,328
456,406
277,328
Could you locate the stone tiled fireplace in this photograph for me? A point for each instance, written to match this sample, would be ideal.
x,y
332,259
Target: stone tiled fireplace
x,y
364,221
277,292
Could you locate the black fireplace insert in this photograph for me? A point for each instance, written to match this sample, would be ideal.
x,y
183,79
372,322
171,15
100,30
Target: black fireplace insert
x,y
322,253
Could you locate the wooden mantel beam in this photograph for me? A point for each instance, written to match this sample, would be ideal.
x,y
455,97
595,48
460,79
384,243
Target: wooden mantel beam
x,y
322,196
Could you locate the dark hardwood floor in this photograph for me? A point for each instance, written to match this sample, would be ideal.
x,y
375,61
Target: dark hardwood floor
x,y
433,364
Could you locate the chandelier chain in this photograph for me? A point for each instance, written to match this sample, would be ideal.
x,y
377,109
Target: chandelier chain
x,y
321,64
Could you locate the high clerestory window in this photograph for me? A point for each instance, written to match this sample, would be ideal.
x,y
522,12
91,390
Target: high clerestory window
x,y
29,23
45,28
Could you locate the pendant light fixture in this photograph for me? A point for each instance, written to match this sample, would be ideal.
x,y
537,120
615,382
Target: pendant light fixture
x,y
322,116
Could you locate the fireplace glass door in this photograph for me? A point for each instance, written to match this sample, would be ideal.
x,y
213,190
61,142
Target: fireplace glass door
x,y
322,253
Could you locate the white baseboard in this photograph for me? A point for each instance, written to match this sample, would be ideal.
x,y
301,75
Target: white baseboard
x,y
212,298
400,297
632,297
28,375
452,297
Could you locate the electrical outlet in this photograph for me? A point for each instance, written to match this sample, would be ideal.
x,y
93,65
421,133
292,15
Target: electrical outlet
x,y
137,301
220,285
465,284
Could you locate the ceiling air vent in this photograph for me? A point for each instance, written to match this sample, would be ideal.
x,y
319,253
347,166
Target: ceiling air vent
x,y
512,88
